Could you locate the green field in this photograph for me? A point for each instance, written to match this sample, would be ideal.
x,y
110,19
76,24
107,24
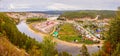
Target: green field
x,y
68,33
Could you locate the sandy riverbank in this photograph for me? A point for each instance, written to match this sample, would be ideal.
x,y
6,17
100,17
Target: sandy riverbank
x,y
36,31
57,40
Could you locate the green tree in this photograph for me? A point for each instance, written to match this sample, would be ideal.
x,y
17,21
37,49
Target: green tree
x,y
116,51
35,51
84,51
114,34
112,44
48,47
64,54
9,29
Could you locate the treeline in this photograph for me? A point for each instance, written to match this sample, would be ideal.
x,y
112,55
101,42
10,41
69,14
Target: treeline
x,y
32,47
35,19
88,13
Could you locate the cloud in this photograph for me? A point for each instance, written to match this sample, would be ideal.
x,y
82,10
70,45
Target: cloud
x,y
60,6
18,6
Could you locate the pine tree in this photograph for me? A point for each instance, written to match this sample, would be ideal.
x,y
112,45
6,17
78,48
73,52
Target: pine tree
x,y
116,51
48,47
114,33
84,51
111,45
35,51
64,54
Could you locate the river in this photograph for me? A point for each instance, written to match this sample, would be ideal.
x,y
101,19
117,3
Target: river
x,y
23,27
61,46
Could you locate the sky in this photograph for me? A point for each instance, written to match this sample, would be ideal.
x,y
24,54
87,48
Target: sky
x,y
45,5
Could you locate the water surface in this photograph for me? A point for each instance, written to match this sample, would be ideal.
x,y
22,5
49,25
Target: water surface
x,y
23,27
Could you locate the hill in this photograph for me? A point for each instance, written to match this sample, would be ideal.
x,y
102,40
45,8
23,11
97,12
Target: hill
x,y
89,13
8,49
11,38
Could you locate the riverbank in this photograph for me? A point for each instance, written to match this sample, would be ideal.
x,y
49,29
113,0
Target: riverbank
x,y
57,40
61,41
31,28
70,47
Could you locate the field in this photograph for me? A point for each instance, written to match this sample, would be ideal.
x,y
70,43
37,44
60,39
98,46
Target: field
x,y
68,33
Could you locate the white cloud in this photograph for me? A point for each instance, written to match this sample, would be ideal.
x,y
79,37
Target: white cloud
x,y
60,6
18,6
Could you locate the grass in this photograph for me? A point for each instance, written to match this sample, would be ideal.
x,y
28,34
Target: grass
x,y
68,33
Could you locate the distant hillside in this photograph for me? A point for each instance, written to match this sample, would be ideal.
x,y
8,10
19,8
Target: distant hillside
x,y
89,13
48,12
64,11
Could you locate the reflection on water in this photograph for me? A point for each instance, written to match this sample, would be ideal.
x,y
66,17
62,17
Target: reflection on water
x,y
22,27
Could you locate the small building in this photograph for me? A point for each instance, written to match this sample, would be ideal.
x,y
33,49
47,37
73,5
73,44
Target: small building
x,y
55,34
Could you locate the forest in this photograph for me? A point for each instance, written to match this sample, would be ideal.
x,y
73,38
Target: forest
x,y
9,31
89,13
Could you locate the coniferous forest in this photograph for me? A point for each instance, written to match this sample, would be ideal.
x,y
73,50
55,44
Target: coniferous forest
x,y
9,31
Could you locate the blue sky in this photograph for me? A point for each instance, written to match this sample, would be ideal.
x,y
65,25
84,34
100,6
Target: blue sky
x,y
43,5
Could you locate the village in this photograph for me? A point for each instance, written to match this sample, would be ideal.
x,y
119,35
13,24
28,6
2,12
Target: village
x,y
90,30
64,31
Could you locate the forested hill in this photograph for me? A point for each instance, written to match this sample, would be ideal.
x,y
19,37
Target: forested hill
x,y
89,13
8,49
8,29
13,40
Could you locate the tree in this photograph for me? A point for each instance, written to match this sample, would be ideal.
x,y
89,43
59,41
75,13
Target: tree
x,y
64,54
116,51
35,51
84,51
48,47
112,44
114,33
9,29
